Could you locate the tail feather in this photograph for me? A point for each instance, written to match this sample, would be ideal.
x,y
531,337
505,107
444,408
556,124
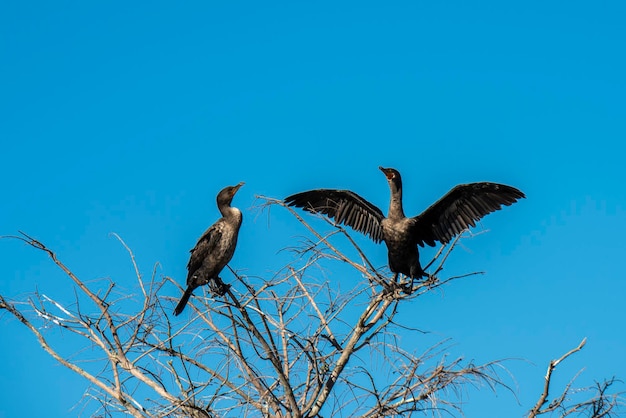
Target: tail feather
x,y
183,301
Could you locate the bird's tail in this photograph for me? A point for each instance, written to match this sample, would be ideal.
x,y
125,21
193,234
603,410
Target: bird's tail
x,y
183,301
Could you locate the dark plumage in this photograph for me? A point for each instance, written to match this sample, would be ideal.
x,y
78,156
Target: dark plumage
x,y
214,249
456,211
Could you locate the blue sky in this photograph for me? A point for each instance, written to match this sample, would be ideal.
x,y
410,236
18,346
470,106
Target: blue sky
x,y
130,118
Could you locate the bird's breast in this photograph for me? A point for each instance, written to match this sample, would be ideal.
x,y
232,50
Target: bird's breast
x,y
397,231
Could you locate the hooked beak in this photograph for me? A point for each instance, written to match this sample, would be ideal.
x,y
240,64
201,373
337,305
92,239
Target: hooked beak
x,y
388,173
237,187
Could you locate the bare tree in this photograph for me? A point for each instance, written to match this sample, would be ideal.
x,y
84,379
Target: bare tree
x,y
281,346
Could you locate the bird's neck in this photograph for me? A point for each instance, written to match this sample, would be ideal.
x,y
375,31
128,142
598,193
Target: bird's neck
x,y
230,212
395,205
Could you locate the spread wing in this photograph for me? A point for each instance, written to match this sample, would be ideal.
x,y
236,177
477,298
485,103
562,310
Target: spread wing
x,y
461,208
205,246
345,207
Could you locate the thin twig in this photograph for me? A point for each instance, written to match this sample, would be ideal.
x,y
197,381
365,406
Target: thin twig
x,y
546,388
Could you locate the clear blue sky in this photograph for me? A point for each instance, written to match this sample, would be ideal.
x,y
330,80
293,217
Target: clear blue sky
x,y
129,118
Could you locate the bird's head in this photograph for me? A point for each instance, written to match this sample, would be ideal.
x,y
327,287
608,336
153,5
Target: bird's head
x,y
393,177
225,196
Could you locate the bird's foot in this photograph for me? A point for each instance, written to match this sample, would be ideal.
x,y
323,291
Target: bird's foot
x,y
403,284
218,287
414,283
407,287
430,279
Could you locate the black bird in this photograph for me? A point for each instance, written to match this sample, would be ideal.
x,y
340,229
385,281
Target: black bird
x,y
456,211
214,249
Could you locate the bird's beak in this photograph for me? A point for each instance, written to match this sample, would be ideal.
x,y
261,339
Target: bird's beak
x,y
237,187
386,171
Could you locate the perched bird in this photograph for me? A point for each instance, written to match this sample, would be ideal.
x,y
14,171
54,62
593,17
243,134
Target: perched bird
x,y
214,249
456,211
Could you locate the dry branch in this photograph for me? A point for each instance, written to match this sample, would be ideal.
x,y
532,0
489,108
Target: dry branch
x,y
283,346
600,405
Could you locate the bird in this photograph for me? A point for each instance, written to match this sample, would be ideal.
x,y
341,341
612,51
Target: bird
x,y
456,211
214,249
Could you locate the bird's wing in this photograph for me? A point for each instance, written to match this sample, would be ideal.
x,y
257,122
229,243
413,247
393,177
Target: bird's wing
x,y
459,209
205,245
344,206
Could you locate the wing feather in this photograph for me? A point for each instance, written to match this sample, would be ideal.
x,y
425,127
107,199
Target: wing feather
x,y
344,206
205,245
460,209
